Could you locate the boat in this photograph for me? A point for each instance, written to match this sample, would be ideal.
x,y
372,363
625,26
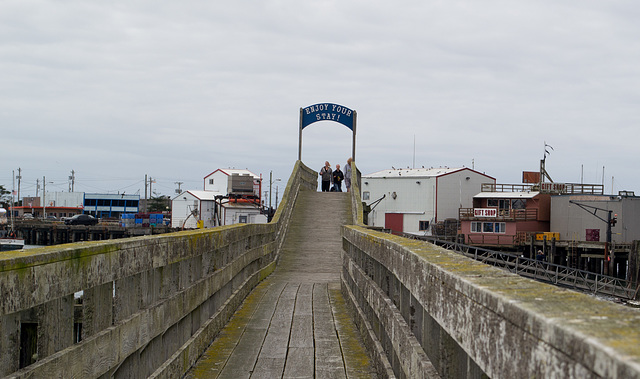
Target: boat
x,y
8,244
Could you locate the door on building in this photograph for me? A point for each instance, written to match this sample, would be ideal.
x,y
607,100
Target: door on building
x,y
395,222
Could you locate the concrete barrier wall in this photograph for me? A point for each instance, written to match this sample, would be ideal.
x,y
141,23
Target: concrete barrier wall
x,y
146,306
437,313
356,201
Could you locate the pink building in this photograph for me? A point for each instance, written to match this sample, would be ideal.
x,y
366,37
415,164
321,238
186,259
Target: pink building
x,y
505,215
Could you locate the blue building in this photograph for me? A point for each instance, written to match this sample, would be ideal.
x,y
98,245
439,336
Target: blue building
x,y
110,205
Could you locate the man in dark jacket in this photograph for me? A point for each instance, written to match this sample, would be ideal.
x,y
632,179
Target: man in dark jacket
x,y
338,177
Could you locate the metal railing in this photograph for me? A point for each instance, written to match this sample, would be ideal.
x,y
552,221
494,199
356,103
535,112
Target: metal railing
x,y
530,214
497,187
568,188
491,239
564,276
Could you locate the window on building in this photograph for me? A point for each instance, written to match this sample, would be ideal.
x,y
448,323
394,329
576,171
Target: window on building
x,y
488,227
423,225
492,202
365,195
242,219
210,181
518,204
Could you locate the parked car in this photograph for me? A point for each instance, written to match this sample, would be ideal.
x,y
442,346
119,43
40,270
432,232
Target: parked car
x,y
81,219
27,216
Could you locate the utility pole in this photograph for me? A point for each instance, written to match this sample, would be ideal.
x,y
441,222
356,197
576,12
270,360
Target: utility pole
x,y
44,198
37,187
13,205
145,192
270,184
147,182
610,221
19,177
72,180
271,181
178,190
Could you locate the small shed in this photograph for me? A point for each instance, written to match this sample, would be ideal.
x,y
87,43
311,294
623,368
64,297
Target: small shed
x,y
242,212
192,209
197,209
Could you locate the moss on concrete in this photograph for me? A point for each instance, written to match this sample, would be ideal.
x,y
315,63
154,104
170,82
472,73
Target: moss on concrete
x,y
357,361
211,363
586,318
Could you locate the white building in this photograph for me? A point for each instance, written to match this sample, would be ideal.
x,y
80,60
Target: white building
x,y
218,181
230,196
192,209
411,200
242,213
63,199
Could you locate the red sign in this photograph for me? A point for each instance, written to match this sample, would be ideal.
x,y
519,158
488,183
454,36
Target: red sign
x,y
485,212
530,177
592,235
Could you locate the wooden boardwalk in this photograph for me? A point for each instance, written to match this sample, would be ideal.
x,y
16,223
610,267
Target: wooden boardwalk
x,y
295,323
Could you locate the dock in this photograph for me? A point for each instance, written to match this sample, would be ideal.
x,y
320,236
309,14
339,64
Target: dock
x,y
295,323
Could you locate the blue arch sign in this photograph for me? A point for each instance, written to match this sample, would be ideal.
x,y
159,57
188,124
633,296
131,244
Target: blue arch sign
x,y
327,112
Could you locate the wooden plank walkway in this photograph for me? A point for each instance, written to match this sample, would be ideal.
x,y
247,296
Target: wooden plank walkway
x,y
295,323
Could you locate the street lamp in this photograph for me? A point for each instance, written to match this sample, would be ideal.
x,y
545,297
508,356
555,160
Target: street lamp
x,y
44,198
610,221
271,181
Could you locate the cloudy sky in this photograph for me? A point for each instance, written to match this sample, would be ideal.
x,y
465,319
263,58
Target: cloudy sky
x,y
174,90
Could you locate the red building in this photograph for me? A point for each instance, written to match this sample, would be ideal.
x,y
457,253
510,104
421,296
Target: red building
x,y
505,215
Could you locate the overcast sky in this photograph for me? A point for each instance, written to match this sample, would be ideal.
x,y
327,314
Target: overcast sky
x,y
176,90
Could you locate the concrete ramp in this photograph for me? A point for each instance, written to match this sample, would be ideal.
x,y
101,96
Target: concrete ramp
x,y
295,323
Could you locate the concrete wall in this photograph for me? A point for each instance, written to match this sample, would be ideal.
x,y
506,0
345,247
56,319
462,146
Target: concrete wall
x,y
433,310
149,306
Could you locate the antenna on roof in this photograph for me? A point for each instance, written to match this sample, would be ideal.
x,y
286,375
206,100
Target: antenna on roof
x,y
546,151
414,151
543,170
